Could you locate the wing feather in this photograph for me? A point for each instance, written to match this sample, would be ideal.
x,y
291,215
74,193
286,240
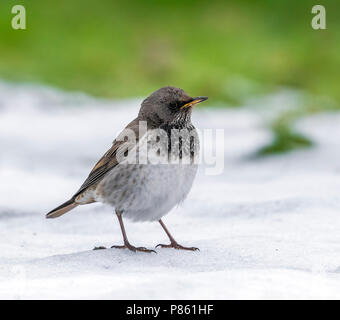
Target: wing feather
x,y
106,163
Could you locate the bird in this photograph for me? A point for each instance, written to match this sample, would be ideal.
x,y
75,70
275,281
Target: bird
x,y
150,167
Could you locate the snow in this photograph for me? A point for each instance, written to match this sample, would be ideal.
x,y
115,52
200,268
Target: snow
x,y
266,228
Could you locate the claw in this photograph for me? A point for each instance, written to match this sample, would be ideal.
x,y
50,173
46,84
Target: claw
x,y
177,246
118,247
133,248
99,248
142,249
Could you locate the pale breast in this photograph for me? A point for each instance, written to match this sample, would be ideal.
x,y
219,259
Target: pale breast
x,y
148,191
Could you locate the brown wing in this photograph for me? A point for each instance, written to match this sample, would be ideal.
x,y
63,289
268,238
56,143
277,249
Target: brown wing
x,y
106,163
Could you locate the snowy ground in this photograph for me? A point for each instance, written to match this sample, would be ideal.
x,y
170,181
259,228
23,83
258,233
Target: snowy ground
x,y
266,228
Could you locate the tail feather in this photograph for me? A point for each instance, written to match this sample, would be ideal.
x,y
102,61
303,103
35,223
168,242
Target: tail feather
x,y
62,209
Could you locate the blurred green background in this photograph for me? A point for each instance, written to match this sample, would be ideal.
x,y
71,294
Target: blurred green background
x,y
227,50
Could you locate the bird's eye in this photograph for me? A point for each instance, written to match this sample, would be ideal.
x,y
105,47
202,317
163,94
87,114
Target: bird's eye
x,y
177,105
174,106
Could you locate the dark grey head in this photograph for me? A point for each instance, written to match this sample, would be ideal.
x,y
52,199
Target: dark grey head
x,y
168,105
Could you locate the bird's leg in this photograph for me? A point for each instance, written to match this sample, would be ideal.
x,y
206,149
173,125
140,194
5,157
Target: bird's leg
x,y
127,244
173,242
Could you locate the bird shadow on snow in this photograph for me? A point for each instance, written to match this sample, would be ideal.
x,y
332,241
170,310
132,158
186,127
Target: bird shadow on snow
x,y
112,260
90,261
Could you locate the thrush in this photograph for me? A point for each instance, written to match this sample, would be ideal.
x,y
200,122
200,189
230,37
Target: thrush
x,y
150,167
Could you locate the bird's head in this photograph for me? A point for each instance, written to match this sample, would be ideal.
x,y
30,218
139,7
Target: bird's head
x,y
168,105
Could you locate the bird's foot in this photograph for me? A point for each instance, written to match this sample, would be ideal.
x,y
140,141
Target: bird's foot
x,y
133,248
99,248
177,246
